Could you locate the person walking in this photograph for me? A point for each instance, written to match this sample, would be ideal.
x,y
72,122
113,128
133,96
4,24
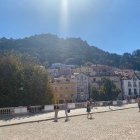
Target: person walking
x,y
56,109
67,110
89,105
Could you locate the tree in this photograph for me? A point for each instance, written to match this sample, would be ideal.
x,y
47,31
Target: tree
x,y
23,84
11,78
108,91
37,87
95,94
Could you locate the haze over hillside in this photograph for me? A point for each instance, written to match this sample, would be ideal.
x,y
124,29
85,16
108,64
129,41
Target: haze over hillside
x,y
46,49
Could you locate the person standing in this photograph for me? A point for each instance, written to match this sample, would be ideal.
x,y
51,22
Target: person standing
x,y
66,111
109,104
89,105
56,109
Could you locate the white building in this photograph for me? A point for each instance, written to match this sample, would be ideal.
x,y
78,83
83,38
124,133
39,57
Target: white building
x,y
59,69
53,72
82,87
131,87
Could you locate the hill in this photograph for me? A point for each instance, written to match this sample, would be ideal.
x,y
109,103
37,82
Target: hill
x,y
47,49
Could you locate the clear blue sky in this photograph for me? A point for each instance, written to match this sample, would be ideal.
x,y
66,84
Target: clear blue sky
x,y
111,25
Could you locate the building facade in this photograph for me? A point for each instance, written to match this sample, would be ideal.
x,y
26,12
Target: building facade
x,y
82,84
63,89
131,87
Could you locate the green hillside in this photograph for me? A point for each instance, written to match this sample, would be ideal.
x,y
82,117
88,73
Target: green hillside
x,y
46,49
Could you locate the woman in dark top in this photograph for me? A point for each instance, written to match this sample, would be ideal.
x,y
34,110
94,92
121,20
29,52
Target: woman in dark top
x,y
56,109
89,105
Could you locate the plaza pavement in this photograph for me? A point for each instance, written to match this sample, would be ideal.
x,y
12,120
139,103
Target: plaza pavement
x,y
112,125
14,120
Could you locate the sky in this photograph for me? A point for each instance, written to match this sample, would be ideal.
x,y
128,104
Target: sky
x,y
111,25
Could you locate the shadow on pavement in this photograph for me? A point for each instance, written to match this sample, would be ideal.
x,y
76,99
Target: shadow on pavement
x,y
19,117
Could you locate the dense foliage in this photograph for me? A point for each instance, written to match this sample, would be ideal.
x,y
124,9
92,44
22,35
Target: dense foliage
x,y
107,91
23,84
47,49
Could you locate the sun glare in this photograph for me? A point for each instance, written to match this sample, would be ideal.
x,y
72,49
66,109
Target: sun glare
x,y
65,5
64,16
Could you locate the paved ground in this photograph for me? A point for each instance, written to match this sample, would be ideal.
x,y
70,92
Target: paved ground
x,y
35,117
115,125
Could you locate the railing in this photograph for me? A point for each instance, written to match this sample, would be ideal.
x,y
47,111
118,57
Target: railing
x,y
6,111
50,108
35,109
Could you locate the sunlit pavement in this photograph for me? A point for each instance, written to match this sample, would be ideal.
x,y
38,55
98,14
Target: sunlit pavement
x,y
113,125
38,117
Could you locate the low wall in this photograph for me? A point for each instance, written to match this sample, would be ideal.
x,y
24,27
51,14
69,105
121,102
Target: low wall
x,y
50,108
20,110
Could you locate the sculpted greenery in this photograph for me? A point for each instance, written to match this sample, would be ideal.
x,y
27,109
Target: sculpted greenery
x,y
46,49
23,84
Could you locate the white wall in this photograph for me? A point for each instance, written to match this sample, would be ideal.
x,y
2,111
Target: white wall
x,y
126,88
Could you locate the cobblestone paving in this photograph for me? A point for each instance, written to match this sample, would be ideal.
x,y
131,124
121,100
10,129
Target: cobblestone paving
x,y
7,120
116,125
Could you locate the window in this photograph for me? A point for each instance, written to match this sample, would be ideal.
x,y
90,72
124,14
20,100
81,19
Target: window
x,y
129,91
94,79
78,89
67,80
78,97
135,91
134,84
81,77
129,84
82,90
